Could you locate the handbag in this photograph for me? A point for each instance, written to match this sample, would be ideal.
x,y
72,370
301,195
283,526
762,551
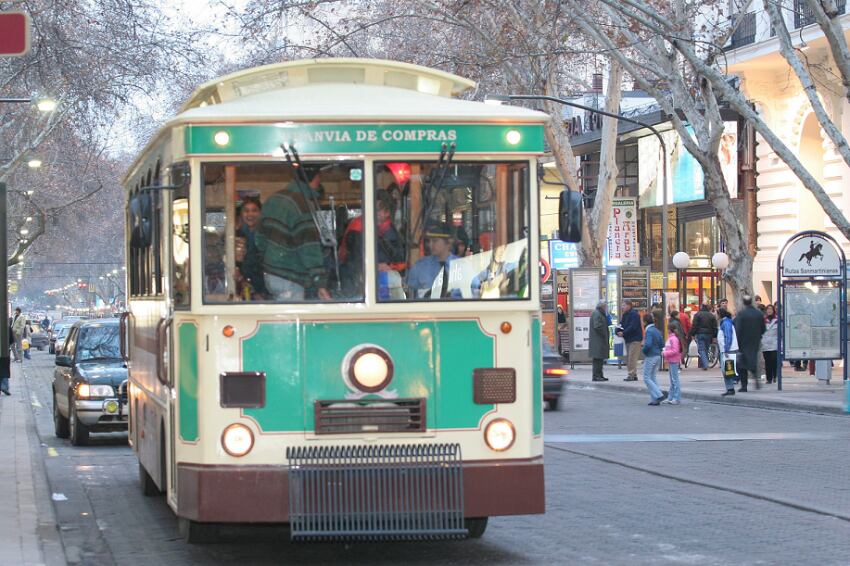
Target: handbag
x,y
25,344
730,367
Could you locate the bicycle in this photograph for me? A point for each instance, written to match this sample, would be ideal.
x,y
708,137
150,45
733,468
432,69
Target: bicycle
x,y
713,356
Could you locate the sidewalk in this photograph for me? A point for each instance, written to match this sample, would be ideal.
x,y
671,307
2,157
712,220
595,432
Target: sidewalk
x,y
27,513
800,391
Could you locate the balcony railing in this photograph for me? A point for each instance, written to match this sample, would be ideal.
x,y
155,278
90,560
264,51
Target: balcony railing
x,y
804,16
746,32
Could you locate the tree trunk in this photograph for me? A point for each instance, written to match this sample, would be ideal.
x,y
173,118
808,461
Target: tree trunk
x,y
599,217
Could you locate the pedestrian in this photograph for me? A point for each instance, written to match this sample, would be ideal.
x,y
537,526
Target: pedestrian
x,y
18,324
728,343
749,327
26,340
5,375
685,321
673,349
759,357
599,336
704,331
653,344
770,342
631,331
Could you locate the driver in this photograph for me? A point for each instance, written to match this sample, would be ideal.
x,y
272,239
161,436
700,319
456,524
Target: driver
x,y
423,274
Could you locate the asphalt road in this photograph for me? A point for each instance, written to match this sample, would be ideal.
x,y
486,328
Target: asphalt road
x,y
699,483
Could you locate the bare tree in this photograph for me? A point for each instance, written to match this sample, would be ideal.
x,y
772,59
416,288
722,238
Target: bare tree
x,y
507,46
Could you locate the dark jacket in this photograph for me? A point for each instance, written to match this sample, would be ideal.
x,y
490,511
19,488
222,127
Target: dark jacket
x,y
704,323
749,327
599,335
632,329
653,343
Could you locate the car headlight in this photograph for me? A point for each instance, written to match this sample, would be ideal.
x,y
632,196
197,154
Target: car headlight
x,y
500,435
237,440
370,369
86,391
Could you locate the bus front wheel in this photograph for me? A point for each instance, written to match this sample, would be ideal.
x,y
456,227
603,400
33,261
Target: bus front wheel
x,y
194,532
476,526
149,488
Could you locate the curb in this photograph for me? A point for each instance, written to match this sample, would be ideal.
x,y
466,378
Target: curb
x,y
738,400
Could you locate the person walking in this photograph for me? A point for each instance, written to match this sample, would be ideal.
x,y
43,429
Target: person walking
x,y
770,343
673,354
653,343
19,321
631,331
749,327
658,316
728,343
4,380
599,337
704,331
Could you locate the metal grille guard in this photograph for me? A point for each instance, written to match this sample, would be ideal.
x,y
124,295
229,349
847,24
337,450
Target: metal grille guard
x,y
376,492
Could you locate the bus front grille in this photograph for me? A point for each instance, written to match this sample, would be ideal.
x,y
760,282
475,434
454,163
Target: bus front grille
x,y
376,492
369,415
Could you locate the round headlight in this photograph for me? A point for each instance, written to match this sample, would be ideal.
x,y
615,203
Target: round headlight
x,y
500,435
237,440
370,370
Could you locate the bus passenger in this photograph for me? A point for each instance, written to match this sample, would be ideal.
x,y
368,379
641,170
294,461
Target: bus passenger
x,y
498,280
289,244
390,252
249,265
424,273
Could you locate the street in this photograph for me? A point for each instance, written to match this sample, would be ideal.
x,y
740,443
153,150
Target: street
x,y
700,483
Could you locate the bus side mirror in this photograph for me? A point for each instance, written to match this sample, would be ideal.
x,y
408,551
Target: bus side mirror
x,y
570,216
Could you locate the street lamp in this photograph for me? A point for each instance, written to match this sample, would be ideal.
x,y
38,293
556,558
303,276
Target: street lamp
x,y
720,261
500,98
681,260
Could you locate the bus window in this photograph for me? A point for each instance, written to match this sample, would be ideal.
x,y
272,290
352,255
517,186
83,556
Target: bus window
x,y
453,233
180,251
271,235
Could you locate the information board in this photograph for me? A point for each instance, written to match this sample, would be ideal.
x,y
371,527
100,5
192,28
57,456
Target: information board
x,y
812,322
634,286
585,293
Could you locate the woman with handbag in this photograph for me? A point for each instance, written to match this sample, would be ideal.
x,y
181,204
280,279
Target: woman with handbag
x,y
727,341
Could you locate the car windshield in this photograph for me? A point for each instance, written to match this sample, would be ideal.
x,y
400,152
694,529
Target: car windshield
x,y
98,342
63,331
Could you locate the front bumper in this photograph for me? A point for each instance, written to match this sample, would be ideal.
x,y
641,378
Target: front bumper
x,y
260,494
95,413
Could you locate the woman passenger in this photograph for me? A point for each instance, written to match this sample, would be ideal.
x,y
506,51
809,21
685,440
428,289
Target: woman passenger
x,y
249,267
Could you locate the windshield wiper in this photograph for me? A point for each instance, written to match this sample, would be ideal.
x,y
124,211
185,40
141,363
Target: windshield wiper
x,y
102,359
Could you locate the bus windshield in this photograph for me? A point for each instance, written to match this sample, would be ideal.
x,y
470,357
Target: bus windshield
x,y
271,232
452,232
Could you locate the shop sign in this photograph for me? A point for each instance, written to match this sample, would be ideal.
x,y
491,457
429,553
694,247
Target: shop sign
x,y
563,255
622,233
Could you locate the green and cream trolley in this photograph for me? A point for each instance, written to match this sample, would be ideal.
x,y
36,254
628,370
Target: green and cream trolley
x,y
333,304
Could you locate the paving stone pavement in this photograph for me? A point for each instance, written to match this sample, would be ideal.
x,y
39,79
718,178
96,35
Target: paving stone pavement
x,y
626,502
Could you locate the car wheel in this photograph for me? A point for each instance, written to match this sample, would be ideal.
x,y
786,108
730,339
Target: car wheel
x,y
79,431
149,488
476,526
555,404
60,423
194,532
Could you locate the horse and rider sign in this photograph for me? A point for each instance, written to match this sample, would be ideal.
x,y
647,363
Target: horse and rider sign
x,y
811,255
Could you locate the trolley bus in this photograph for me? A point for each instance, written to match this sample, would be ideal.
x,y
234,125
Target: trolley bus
x,y
333,314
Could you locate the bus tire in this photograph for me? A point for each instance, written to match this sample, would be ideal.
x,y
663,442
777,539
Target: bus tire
x,y
476,526
60,423
78,431
194,532
149,488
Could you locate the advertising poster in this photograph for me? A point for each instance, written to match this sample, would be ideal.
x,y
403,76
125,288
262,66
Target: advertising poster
x,y
585,292
622,233
684,174
563,255
634,286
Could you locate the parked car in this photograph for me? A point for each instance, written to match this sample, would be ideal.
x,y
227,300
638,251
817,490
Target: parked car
x,y
60,340
39,339
55,332
553,377
90,382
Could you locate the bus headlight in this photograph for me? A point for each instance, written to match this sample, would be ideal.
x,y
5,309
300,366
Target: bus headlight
x,y
237,440
500,435
370,369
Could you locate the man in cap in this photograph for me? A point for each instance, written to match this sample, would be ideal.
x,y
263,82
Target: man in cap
x,y
289,243
423,274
